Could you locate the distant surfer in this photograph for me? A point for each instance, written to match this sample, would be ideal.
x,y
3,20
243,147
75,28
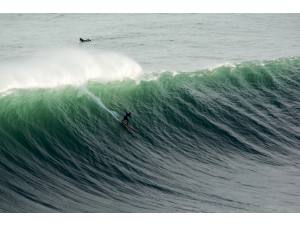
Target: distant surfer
x,y
84,40
126,118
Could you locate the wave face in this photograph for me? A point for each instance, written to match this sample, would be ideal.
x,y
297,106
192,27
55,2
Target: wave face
x,y
220,140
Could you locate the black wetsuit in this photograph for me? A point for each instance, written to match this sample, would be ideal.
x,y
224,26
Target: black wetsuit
x,y
126,117
84,40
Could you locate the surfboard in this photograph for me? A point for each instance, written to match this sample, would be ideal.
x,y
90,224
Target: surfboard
x,y
128,127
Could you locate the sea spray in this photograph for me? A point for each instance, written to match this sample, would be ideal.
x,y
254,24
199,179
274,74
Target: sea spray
x,y
98,101
67,67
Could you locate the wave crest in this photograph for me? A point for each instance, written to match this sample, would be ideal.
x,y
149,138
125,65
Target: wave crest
x,y
67,67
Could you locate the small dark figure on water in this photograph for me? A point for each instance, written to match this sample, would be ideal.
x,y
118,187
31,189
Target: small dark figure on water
x,y
126,118
84,40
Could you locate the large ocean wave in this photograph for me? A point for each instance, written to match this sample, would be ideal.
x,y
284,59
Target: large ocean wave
x,y
222,139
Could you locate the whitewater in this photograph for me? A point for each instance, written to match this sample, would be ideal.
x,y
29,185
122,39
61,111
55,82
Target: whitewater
x,y
214,100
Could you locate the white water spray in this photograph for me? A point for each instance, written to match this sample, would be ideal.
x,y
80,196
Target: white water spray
x,y
99,102
67,67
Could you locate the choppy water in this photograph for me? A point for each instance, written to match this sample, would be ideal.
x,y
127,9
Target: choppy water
x,y
215,102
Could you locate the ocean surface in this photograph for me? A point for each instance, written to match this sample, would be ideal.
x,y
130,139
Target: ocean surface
x,y
214,101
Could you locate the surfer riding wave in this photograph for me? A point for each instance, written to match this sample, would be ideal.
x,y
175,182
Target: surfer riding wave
x,y
126,118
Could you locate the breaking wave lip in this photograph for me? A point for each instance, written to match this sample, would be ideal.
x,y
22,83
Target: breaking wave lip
x,y
62,67
76,67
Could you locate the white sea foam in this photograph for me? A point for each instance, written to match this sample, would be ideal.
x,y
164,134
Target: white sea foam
x,y
67,67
